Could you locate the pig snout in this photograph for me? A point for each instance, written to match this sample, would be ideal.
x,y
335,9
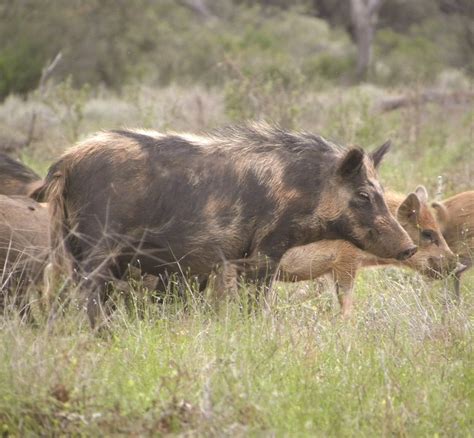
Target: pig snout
x,y
460,268
398,241
406,253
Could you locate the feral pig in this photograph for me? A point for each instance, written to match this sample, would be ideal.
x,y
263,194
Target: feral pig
x,y
181,203
24,245
456,218
16,179
342,259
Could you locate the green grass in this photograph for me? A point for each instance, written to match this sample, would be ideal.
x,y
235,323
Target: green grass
x,y
402,365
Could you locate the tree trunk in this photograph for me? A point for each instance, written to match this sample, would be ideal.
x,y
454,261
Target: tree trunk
x,y
364,15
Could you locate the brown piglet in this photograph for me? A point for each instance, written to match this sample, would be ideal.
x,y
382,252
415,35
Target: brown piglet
x,y
342,259
455,216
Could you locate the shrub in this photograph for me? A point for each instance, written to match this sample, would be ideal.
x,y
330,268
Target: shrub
x,y
405,58
20,67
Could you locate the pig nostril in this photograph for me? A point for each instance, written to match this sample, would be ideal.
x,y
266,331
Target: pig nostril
x,y
407,253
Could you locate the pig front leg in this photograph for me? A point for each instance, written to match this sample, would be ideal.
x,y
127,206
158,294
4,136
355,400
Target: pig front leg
x,y
344,281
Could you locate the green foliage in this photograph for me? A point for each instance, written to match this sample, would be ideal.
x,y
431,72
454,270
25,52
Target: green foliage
x,y
68,103
269,66
20,67
406,58
116,43
328,67
272,93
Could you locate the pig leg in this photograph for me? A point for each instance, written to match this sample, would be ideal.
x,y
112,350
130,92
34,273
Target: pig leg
x,y
97,294
467,262
268,255
97,275
226,282
457,287
263,278
345,290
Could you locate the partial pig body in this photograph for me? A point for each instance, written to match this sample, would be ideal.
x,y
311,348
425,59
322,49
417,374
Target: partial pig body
x,y
456,218
16,179
342,260
24,244
179,203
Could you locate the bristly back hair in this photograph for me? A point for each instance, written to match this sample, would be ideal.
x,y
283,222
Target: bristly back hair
x,y
266,134
248,137
9,166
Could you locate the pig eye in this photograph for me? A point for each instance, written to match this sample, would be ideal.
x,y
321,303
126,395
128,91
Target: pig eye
x,y
428,235
364,196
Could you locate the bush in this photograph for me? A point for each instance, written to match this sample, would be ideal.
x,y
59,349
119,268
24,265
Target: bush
x,y
328,66
272,94
20,67
405,58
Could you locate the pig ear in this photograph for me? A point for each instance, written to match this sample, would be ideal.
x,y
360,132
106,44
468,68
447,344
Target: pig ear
x,y
441,213
379,153
352,163
422,194
37,191
409,209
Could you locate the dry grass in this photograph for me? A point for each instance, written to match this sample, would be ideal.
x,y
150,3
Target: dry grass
x,y
401,365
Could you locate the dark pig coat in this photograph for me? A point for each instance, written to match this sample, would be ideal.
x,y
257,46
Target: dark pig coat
x,y
185,203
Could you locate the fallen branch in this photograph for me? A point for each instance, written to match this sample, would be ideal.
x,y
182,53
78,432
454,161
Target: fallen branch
x,y
431,96
199,7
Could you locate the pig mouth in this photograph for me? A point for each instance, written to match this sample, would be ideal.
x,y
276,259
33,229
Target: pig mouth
x,y
435,273
439,272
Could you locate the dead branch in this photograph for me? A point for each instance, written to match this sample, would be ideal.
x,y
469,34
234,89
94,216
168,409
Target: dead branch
x,y
429,96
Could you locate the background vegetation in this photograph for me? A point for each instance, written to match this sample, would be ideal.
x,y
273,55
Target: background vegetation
x,y
402,365
116,42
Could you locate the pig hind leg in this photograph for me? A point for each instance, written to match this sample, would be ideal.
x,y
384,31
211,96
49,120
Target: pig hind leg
x,y
96,262
95,281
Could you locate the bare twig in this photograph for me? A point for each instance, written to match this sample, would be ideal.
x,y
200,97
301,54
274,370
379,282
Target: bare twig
x,y
46,73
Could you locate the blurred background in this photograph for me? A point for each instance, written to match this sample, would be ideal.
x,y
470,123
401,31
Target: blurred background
x,y
356,71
